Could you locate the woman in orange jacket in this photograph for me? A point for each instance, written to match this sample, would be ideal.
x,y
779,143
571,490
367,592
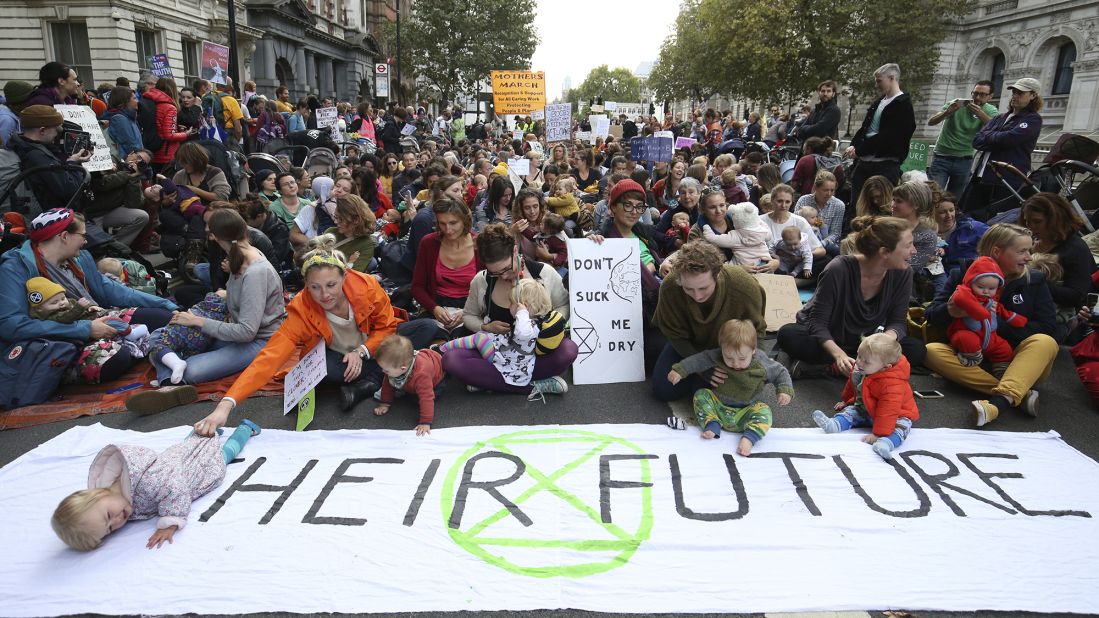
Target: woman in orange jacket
x,y
348,309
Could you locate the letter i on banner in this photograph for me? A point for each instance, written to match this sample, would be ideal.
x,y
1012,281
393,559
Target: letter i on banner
x,y
298,388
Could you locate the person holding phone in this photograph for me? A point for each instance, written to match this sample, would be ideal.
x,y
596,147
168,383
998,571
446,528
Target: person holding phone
x,y
40,145
961,119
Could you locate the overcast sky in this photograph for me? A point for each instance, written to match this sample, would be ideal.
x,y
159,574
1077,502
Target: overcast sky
x,y
578,35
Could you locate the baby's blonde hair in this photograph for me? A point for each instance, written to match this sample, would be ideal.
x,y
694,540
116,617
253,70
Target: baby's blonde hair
x,y
1049,264
534,295
395,350
109,266
737,334
564,182
882,347
68,516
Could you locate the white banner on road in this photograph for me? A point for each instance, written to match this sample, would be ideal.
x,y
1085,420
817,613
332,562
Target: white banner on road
x,y
613,518
605,311
558,122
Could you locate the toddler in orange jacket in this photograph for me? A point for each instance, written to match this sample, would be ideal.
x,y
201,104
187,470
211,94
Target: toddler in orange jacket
x,y
974,337
418,372
877,395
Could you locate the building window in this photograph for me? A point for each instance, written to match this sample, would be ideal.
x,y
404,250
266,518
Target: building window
x,y
70,46
1062,78
997,77
146,46
190,61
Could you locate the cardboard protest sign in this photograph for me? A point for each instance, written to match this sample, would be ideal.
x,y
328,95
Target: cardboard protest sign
x,y
584,136
605,310
783,301
158,65
308,373
215,61
85,117
518,92
558,122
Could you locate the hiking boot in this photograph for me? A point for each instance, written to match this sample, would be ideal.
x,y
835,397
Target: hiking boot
x,y
194,253
1029,404
163,398
984,412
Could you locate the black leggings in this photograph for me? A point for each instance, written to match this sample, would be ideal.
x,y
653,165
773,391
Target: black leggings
x,y
795,340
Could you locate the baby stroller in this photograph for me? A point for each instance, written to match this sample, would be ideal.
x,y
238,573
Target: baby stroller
x,y
259,161
321,162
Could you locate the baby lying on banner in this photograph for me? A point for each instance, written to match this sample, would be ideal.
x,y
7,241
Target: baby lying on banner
x,y
132,483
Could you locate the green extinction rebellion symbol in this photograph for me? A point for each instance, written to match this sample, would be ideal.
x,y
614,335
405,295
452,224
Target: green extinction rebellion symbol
x,y
538,503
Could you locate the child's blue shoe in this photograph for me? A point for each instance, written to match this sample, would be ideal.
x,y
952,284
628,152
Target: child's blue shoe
x,y
254,427
827,424
884,448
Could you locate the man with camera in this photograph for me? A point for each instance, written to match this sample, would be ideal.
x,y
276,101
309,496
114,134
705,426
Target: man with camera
x,y
40,145
116,201
954,149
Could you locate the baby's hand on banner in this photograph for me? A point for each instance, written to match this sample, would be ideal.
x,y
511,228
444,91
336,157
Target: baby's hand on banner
x,y
381,409
423,429
870,438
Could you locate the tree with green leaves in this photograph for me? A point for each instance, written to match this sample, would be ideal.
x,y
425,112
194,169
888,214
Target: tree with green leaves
x,y
452,46
618,84
780,50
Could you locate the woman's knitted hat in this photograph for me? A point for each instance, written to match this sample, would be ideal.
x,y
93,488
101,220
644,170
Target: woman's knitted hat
x,y
623,187
50,223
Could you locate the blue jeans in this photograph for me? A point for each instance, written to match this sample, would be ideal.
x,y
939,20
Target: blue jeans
x,y
952,173
202,273
224,358
852,416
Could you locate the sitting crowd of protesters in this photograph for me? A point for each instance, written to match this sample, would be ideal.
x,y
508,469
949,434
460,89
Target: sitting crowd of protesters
x,y
422,254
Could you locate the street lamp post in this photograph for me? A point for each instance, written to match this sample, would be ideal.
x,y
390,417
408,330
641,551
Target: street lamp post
x,y
400,94
233,46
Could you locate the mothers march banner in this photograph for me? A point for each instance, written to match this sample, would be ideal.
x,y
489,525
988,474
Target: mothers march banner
x,y
623,518
518,92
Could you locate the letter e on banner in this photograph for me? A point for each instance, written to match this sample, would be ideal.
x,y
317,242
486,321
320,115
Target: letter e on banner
x,y
605,306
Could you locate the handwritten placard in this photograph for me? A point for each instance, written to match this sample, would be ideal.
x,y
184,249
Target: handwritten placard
x,y
651,149
558,122
85,117
519,166
307,374
605,306
538,114
408,129
783,300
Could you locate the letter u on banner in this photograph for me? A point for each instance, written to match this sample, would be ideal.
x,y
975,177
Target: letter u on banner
x,y
605,306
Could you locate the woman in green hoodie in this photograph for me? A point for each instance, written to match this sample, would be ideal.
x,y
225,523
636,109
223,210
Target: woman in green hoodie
x,y
699,295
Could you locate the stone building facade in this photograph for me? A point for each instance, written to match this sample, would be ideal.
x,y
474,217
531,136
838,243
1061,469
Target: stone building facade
x,y
322,47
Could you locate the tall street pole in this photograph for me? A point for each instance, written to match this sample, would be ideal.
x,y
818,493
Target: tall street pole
x,y
233,48
400,93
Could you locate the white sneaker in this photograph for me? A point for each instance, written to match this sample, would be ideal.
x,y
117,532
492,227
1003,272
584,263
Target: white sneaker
x,y
1029,404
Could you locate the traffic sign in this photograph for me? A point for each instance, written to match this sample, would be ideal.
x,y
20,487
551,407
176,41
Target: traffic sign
x,y
381,69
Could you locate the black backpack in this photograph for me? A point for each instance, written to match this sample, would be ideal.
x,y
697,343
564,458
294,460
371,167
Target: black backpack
x,y
146,122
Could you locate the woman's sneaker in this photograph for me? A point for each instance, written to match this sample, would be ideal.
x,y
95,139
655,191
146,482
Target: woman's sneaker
x,y
550,386
984,412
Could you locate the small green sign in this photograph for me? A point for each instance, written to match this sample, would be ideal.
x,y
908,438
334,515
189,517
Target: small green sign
x,y
917,156
306,407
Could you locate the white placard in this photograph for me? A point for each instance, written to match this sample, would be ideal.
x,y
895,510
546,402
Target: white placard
x,y
538,114
408,129
309,372
85,117
602,127
605,310
520,166
558,122
518,134
327,117
357,521
611,106
584,136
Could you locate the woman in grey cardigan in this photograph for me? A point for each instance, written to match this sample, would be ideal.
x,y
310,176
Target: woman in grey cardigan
x,y
255,308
